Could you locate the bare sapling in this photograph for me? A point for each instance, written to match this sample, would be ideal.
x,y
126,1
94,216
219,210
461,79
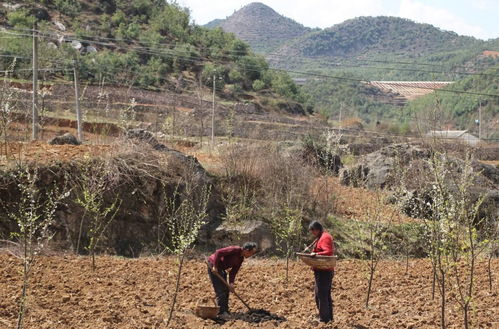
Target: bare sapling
x,y
128,115
325,151
184,212
95,181
492,233
230,123
34,214
374,227
286,183
239,187
403,200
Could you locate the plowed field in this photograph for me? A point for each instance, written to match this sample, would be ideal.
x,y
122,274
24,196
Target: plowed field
x,y
126,293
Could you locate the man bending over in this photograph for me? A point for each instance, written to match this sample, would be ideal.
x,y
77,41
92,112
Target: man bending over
x,y
228,258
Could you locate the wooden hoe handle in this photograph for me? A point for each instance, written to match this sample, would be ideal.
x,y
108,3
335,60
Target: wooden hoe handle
x,y
228,286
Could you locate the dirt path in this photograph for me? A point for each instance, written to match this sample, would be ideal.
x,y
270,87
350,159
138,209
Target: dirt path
x,y
126,293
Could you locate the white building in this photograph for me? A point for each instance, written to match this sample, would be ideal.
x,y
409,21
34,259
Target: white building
x,y
462,136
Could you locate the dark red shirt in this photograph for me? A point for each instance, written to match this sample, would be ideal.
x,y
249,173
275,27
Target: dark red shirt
x,y
228,258
325,246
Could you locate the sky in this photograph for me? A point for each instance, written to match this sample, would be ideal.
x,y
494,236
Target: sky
x,y
478,18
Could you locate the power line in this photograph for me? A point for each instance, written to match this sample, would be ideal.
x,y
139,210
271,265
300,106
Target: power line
x,y
155,51
236,52
394,84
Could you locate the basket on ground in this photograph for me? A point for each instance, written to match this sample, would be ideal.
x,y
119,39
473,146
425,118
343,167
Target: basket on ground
x,y
318,262
207,312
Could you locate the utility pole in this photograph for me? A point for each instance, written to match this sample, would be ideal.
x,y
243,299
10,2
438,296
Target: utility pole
x,y
341,114
35,118
213,113
480,120
79,119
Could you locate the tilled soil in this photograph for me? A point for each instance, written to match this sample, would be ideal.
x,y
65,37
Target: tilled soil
x,y
135,293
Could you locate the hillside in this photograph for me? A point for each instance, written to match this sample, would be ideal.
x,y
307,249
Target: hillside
x,y
261,26
450,110
364,49
375,48
352,99
382,34
386,48
144,43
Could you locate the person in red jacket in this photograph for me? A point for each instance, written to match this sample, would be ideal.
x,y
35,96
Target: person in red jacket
x,y
228,258
323,278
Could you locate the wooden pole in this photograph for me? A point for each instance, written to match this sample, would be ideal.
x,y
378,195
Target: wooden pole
x,y
213,114
79,118
35,117
480,121
228,286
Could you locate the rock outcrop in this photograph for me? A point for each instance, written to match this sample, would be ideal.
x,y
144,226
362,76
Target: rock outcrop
x,y
378,170
66,139
375,169
238,233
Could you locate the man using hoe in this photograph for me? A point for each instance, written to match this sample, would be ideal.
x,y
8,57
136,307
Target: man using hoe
x,y
324,246
229,258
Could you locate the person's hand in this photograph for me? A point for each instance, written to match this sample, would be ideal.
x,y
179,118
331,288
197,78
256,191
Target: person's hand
x,y
214,269
232,288
313,254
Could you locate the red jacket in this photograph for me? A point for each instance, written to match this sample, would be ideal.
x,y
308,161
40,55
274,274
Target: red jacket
x,y
228,257
325,246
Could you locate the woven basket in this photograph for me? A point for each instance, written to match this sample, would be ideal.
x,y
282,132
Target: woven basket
x,y
207,312
317,261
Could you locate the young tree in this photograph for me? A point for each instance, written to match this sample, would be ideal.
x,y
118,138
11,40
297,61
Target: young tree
x,y
374,226
324,153
453,240
184,212
34,214
286,224
8,106
466,241
95,181
128,115
492,234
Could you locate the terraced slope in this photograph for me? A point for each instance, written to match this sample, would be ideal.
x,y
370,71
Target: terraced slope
x,y
261,26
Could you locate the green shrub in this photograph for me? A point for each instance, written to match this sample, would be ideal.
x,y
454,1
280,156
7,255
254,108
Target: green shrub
x,y
21,18
258,85
68,7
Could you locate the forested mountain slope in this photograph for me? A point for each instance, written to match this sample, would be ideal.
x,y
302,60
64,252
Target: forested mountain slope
x,y
145,43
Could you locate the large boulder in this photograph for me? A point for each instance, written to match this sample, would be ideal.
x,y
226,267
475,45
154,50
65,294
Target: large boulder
x,y
144,136
375,169
488,171
147,137
238,233
66,139
378,170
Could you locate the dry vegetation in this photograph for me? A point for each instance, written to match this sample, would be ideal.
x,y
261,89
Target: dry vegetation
x,y
254,179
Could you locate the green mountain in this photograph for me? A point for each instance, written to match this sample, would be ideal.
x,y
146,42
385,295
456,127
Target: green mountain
x,y
386,48
261,27
376,35
375,48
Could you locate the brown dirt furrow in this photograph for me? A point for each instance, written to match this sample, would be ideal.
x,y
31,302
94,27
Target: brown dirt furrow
x,y
135,293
